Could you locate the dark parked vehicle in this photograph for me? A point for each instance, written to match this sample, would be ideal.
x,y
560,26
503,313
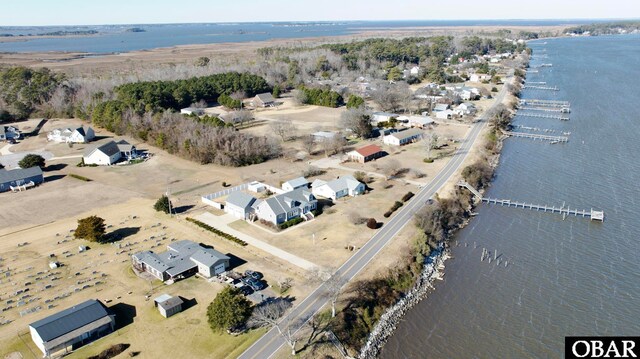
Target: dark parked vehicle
x,y
253,274
246,290
255,284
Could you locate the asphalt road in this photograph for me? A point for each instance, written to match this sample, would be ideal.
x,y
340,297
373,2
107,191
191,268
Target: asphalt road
x,y
271,342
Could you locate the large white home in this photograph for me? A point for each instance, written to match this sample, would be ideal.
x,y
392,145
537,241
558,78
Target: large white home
x,y
416,121
465,108
382,117
68,135
283,207
337,188
103,155
402,137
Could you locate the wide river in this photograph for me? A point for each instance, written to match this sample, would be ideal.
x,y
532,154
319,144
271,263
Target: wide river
x,y
564,277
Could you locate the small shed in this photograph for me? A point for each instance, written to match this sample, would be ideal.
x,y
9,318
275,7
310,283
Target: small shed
x,y
168,305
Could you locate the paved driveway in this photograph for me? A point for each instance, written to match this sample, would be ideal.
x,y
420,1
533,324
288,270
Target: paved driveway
x,y
222,223
10,160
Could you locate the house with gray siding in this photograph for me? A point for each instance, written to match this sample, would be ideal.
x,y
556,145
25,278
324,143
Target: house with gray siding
x,y
287,206
181,260
20,177
239,204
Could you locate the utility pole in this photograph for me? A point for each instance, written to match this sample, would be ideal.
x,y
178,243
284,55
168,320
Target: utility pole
x,y
168,194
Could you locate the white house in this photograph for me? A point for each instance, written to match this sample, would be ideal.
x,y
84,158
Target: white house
x,y
67,135
295,183
415,70
322,136
418,121
479,77
444,115
192,111
468,93
287,206
239,204
465,108
61,333
341,187
402,137
382,117
440,107
103,155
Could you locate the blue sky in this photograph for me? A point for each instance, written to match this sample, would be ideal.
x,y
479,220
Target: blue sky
x,y
79,12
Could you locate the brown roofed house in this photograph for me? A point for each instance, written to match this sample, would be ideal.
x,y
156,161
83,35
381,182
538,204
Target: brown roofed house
x,y
366,153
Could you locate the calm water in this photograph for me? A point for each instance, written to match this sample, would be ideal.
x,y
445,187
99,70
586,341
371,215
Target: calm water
x,y
115,38
570,277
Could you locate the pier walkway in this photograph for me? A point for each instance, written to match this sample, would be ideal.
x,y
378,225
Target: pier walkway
x,y
545,109
536,136
540,115
545,103
528,87
564,211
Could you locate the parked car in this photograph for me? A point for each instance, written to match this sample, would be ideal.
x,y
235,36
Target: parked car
x,y
253,274
256,284
246,290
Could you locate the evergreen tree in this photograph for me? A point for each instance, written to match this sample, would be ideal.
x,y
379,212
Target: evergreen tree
x,y
91,228
228,310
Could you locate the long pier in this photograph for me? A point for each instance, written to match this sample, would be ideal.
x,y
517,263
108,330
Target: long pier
x,y
555,88
545,103
592,214
536,82
545,109
540,115
535,136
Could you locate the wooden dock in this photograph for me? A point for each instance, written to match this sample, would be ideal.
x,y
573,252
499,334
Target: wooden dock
x,y
528,87
536,82
545,109
564,211
541,115
535,136
545,103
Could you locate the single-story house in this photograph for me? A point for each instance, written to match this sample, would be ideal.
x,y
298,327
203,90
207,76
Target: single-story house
x,y
377,117
182,259
68,135
287,206
415,70
295,183
127,150
192,111
402,137
468,93
365,154
444,115
440,107
239,204
418,121
465,108
168,305
479,77
103,155
340,187
263,100
71,328
20,177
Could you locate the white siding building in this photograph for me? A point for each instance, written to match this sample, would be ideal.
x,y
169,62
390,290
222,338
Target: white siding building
x,y
103,155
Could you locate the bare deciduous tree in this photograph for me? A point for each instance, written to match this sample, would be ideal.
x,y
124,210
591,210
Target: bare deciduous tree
x,y
430,143
391,167
269,314
283,128
358,120
308,144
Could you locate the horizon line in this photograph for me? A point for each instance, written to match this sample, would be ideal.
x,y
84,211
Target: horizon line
x,y
330,21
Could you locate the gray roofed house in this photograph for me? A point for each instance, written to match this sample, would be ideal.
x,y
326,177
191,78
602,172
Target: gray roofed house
x,y
440,107
286,206
402,137
264,100
239,204
105,154
182,259
344,186
295,183
126,149
20,177
72,327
